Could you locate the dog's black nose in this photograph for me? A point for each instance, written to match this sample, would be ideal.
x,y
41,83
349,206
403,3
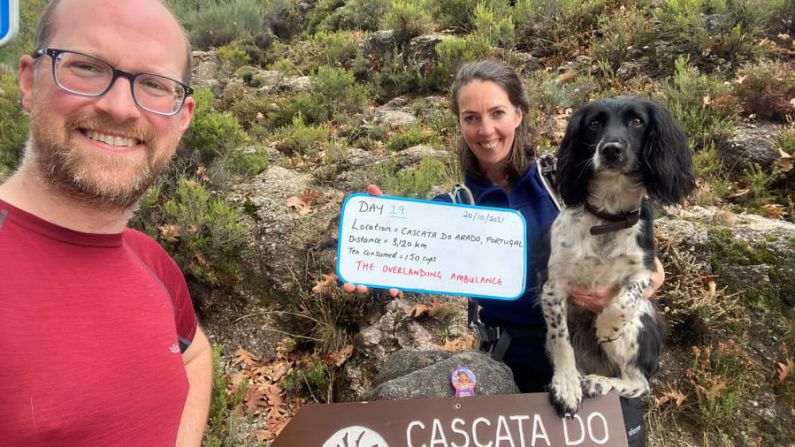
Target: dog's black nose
x,y
612,151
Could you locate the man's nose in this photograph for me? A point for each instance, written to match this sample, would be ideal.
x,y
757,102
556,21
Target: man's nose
x,y
118,102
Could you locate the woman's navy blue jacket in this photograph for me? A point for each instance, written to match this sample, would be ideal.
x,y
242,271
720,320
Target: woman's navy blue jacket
x,y
529,197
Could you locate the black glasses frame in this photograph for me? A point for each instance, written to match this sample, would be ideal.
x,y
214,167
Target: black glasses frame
x,y
54,53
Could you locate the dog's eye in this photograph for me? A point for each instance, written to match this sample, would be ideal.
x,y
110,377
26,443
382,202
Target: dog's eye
x,y
636,122
595,124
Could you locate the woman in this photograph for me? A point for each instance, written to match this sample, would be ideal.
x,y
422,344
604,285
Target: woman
x,y
498,161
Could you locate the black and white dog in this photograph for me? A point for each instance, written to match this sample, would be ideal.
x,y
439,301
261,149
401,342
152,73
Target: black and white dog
x,y
617,156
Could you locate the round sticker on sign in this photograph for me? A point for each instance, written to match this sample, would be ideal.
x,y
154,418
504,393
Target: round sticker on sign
x,y
463,380
355,436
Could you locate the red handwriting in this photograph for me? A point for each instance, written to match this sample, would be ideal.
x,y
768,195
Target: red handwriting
x,y
474,279
362,265
408,271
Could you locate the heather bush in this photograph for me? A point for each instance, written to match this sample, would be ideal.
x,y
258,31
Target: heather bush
x,y
766,89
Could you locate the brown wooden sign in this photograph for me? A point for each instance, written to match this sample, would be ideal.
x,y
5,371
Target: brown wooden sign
x,y
515,420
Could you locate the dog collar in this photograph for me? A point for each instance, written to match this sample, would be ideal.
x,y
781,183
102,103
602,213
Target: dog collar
x,y
617,221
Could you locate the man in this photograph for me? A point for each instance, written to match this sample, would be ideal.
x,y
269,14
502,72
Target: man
x,y
99,338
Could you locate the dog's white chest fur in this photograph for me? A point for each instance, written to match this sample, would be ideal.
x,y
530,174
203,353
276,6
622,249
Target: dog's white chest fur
x,y
579,258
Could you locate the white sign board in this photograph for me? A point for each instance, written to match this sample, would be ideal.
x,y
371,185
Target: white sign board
x,y
9,21
432,247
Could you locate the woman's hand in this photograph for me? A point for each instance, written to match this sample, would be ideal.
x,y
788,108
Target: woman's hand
x,y
595,300
373,190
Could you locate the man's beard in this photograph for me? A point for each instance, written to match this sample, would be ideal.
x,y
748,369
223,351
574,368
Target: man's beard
x,y
94,178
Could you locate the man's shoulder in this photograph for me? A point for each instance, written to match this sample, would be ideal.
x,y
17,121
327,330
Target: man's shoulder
x,y
139,240
148,250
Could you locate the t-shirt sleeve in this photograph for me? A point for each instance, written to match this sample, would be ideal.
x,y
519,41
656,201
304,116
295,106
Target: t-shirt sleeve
x,y
170,275
185,315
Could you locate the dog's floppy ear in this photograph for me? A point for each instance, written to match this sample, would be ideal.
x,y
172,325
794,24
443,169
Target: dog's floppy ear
x,y
666,166
573,167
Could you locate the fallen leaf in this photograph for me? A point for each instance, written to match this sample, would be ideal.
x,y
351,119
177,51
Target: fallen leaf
x,y
672,395
273,393
784,164
170,232
784,370
783,154
245,357
275,371
254,400
714,391
340,357
774,211
309,196
422,310
299,205
202,260
326,286
459,344
201,171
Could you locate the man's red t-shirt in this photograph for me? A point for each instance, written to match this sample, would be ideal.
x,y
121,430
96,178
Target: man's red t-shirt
x,y
89,337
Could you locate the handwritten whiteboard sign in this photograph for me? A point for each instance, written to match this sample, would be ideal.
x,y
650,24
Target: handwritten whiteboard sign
x,y
432,247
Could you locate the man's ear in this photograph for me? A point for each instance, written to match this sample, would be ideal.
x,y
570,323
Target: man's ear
x,y
186,114
27,75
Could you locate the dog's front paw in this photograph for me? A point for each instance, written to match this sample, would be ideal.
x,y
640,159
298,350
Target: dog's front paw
x,y
565,392
593,385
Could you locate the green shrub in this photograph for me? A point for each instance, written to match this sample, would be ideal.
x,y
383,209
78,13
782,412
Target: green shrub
x,y
247,161
407,19
622,33
211,134
411,136
203,234
225,408
213,24
702,104
310,381
758,182
339,48
13,125
496,28
717,379
357,15
251,110
416,182
285,17
232,57
339,91
714,186
454,51
562,26
766,89
786,140
455,14
299,138
368,136
711,32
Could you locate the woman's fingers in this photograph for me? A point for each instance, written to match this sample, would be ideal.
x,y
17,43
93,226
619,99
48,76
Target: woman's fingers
x,y
374,190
